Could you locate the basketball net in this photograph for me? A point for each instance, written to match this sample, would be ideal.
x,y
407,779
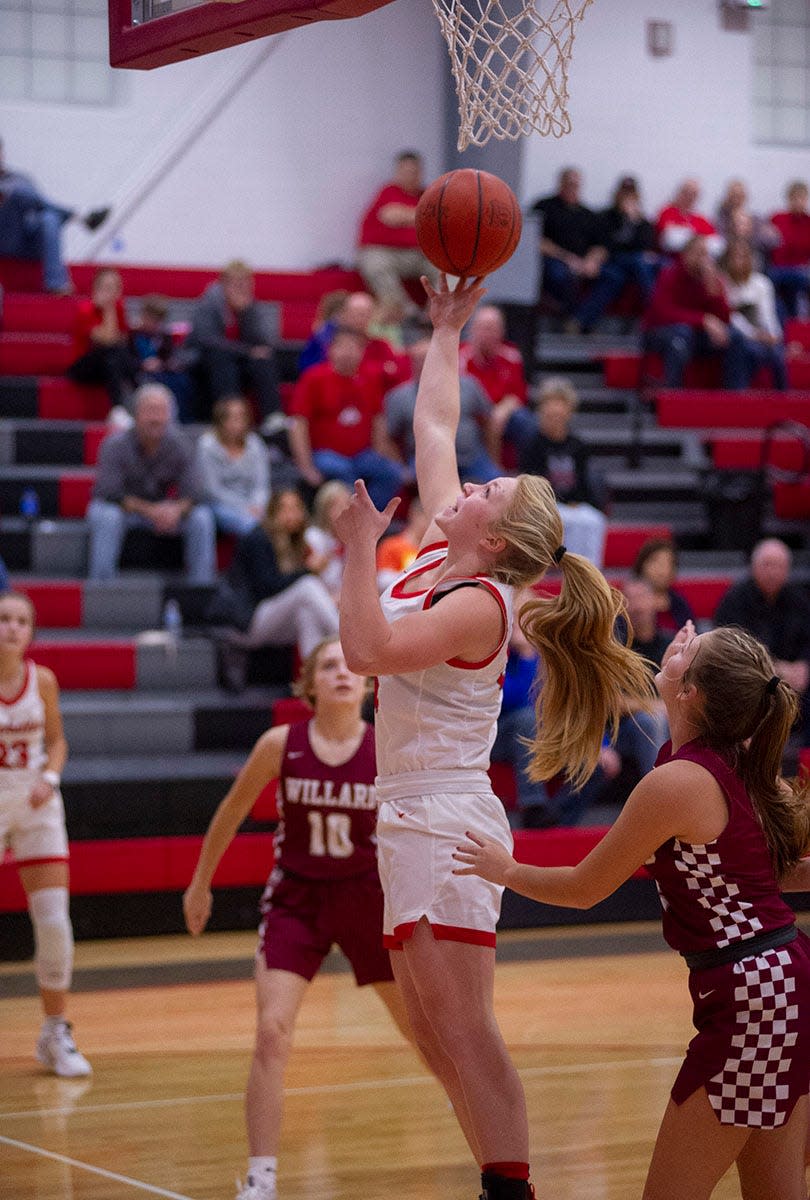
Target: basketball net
x,y
511,72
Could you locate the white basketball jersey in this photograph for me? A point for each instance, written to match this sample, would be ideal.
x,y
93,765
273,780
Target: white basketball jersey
x,y
444,717
22,735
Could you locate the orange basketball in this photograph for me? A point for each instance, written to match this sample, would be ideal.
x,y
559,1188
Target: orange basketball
x,y
468,222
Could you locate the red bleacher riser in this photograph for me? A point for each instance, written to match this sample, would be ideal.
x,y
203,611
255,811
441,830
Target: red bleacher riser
x,y
798,331
804,760
704,594
63,400
289,709
89,666
57,605
799,372
20,275
27,313
74,494
623,542
791,501
683,408
297,318
742,453
35,353
94,435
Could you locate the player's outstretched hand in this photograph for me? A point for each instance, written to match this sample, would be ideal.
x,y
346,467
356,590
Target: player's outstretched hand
x,y
196,908
360,521
482,856
452,310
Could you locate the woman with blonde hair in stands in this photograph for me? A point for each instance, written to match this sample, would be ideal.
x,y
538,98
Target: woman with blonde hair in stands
x,y
722,835
437,641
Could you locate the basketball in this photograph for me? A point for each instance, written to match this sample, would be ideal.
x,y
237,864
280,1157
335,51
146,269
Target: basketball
x,y
468,222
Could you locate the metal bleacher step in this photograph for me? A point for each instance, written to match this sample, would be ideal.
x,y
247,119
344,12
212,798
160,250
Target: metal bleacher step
x,y
111,724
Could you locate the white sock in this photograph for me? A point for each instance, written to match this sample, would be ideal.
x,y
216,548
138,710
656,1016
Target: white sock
x,y
262,1168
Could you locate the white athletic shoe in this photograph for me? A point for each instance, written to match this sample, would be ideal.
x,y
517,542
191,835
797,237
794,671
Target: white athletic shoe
x,y
57,1051
253,1190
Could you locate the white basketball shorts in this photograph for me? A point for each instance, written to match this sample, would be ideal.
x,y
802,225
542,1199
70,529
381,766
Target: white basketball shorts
x,y
423,816
34,834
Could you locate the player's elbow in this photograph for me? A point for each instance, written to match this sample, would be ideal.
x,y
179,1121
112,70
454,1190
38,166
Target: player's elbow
x,y
359,661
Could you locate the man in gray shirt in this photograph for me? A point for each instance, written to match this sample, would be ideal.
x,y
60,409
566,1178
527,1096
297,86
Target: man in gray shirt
x,y
473,437
147,479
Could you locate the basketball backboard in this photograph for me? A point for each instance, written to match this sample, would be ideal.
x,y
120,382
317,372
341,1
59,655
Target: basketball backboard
x,y
152,33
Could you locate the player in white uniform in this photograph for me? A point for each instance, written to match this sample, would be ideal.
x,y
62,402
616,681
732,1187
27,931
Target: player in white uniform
x,y
32,822
437,642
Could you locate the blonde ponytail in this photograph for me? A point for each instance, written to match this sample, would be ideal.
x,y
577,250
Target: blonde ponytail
x,y
588,680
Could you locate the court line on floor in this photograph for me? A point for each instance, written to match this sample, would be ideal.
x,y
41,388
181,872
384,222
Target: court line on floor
x,y
81,1166
316,1089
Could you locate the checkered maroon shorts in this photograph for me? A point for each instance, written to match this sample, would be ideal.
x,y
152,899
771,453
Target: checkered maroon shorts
x,y
752,1049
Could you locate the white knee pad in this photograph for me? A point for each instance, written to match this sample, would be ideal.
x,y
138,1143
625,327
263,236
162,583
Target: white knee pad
x,y
53,936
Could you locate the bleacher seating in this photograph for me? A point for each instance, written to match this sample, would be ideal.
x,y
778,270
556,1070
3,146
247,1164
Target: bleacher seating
x,y
154,742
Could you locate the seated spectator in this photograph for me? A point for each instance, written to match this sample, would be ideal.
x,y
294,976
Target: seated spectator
x,y
147,479
233,336
31,227
234,467
688,317
337,430
752,302
649,639
396,552
735,220
4,580
327,549
380,358
680,221
270,595
657,564
388,250
327,319
790,258
498,366
158,359
101,340
775,610
629,239
555,453
473,435
570,243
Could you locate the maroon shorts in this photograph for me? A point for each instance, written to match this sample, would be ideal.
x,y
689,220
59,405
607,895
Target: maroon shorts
x,y
303,918
752,1049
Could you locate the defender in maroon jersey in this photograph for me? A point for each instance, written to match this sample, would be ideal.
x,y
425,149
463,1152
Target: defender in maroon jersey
x,y
721,833
323,890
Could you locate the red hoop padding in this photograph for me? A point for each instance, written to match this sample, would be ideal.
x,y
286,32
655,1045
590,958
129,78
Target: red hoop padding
x,y
212,26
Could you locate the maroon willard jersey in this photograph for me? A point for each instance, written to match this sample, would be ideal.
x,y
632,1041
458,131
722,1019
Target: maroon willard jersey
x,y
328,815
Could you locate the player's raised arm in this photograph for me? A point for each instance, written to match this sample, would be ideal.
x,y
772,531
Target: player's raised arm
x,y
436,415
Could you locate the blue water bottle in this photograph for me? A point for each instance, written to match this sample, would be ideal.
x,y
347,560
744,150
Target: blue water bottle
x,y
29,504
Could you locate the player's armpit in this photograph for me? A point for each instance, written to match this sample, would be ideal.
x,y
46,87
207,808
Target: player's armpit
x,y
467,625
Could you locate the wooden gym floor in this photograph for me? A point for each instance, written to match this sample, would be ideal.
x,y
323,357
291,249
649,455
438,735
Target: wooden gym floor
x,y
597,1019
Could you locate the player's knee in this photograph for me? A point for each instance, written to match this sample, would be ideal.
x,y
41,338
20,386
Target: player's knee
x,y
53,938
273,1037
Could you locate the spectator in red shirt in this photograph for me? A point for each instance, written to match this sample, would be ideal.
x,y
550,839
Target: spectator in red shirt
x,y
388,250
337,430
689,316
790,260
679,221
101,340
498,367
